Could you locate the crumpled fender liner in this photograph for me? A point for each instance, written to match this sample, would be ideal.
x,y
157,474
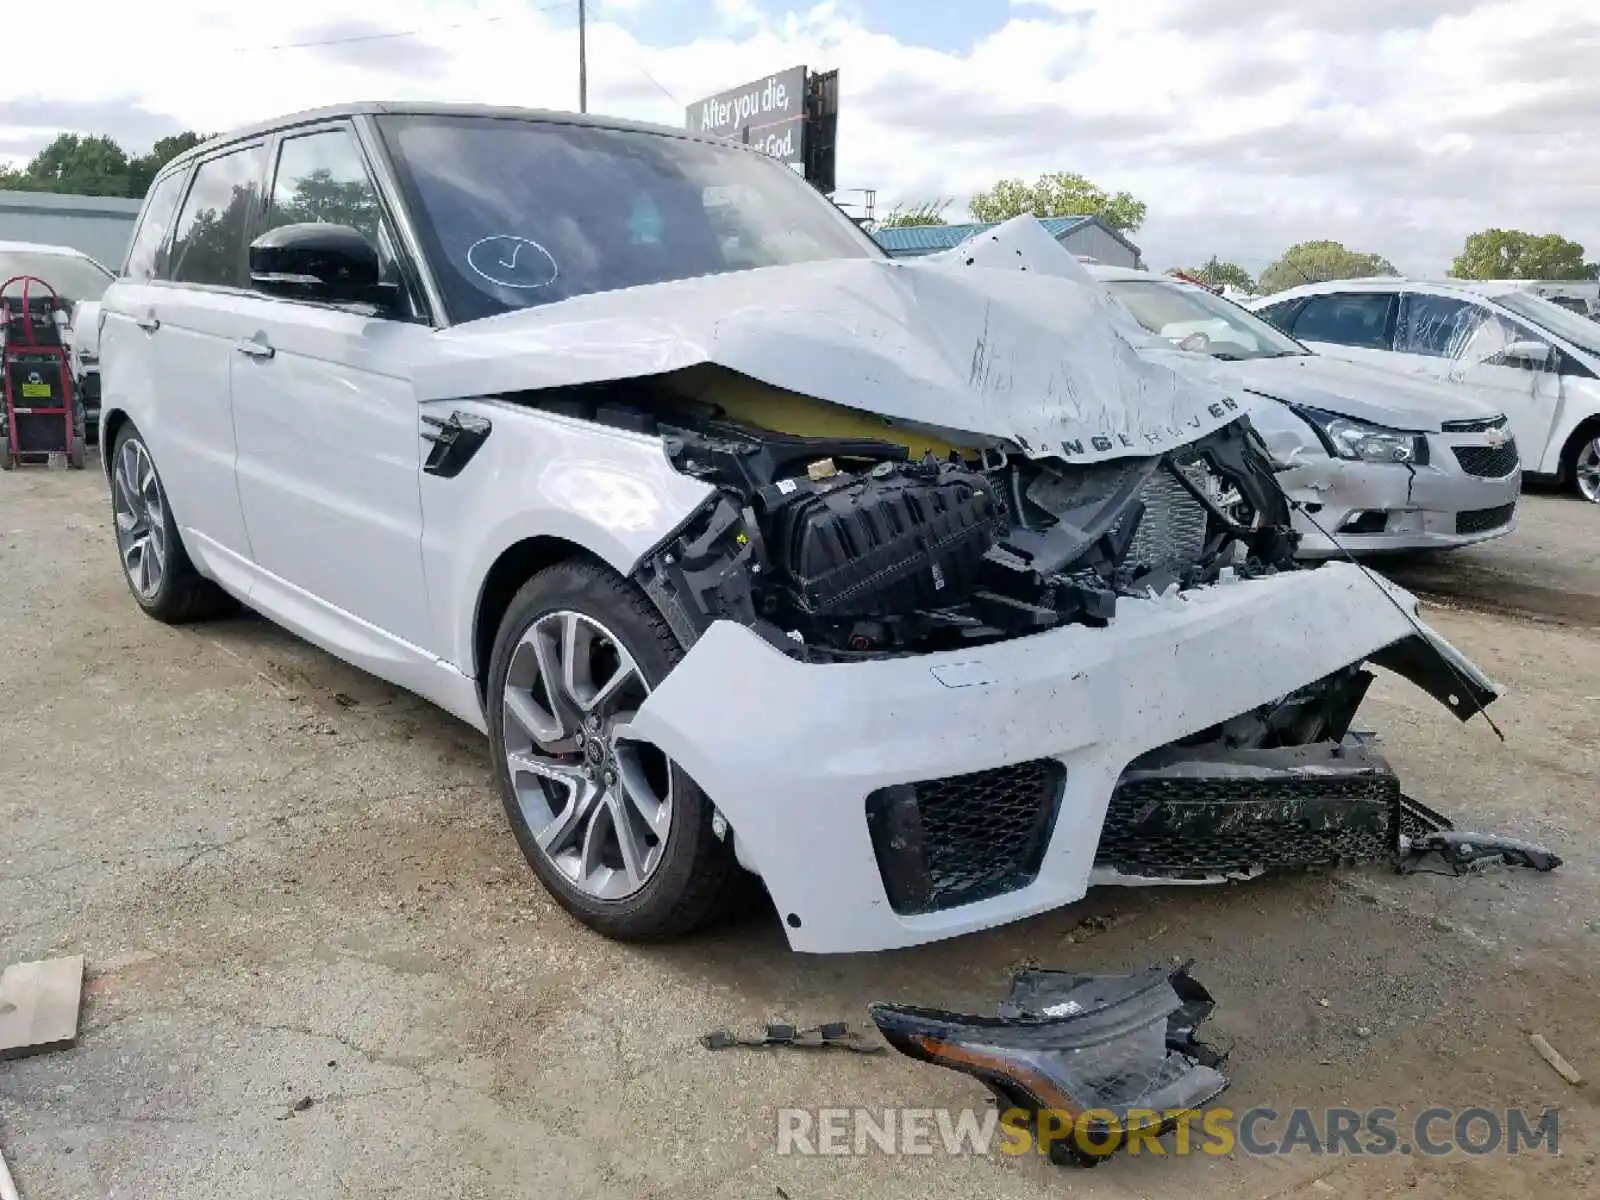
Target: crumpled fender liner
x,y
1089,1057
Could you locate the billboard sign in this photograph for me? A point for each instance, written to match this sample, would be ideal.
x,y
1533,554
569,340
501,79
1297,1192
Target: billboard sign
x,y
767,114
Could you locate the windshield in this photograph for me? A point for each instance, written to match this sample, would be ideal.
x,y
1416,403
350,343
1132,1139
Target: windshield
x,y
73,276
1580,331
515,213
1177,311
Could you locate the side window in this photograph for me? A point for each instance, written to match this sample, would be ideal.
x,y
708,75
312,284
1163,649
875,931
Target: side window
x,y
209,246
147,252
1359,319
1496,331
1437,326
1281,314
321,178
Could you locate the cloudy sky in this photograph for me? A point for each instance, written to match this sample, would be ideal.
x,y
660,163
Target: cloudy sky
x,y
1396,126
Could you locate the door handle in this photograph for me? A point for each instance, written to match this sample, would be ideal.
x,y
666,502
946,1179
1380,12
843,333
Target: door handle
x,y
255,349
148,322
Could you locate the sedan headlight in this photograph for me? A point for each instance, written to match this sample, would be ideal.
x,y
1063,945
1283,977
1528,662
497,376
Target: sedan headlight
x,y
1360,442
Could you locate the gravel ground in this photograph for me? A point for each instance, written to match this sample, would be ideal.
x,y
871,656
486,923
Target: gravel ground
x,y
319,969
1548,570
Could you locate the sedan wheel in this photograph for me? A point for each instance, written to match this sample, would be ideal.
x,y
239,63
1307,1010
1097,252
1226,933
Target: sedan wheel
x,y
1586,470
598,803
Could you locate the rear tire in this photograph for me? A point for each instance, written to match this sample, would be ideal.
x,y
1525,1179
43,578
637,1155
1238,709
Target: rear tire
x,y
75,456
674,876
155,565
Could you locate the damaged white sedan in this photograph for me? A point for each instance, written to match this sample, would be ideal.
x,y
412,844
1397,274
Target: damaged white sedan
x,y
930,593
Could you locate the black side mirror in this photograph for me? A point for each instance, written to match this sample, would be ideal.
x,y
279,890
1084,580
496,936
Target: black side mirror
x,y
318,261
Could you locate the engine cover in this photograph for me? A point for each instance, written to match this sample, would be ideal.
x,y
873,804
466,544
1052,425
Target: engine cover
x,y
901,537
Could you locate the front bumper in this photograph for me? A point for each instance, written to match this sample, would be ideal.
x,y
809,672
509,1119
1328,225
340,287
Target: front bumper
x,y
1367,508
791,752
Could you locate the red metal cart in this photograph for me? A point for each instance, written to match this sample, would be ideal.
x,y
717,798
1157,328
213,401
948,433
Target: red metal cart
x,y
41,413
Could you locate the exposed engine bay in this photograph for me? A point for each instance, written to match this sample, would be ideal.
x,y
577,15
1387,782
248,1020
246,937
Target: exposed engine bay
x,y
839,547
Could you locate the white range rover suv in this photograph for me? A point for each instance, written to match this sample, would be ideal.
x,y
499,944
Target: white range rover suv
x,y
929,593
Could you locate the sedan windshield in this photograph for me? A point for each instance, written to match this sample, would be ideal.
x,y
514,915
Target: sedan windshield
x,y
1580,331
514,213
1190,315
73,276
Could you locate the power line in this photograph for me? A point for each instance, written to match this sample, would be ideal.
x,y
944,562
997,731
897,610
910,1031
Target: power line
x,y
395,34
660,87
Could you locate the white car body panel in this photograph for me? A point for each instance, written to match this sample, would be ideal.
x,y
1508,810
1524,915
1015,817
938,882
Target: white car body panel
x,y
1545,410
1094,698
543,475
1364,392
327,441
86,329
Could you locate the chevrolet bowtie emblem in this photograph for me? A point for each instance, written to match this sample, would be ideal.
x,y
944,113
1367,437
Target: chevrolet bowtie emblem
x,y
1498,438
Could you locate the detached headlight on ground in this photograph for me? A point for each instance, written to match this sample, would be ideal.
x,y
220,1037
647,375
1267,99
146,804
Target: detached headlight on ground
x,y
1360,442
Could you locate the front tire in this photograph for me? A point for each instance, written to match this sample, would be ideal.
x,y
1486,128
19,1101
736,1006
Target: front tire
x,y
618,833
155,565
1583,463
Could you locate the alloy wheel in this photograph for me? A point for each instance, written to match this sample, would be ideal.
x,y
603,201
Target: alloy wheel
x,y
597,801
140,510
1586,469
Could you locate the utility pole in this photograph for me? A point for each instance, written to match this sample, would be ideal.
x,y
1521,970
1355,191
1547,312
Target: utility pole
x,y
583,58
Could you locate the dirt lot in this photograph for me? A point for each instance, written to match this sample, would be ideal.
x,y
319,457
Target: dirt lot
x,y
319,969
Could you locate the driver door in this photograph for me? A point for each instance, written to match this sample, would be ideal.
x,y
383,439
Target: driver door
x,y
1463,342
326,419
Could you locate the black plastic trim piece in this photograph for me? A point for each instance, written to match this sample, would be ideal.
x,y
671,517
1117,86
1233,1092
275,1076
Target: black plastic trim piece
x,y
455,440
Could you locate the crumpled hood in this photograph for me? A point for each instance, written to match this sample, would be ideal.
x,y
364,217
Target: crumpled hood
x,y
1362,392
1010,339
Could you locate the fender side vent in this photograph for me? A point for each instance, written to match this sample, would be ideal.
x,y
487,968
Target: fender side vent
x,y
455,440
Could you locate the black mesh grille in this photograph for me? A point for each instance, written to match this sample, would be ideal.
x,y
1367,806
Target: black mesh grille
x,y
1161,826
1488,462
1480,520
964,838
1473,425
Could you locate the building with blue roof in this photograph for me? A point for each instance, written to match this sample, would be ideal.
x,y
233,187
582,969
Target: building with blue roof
x,y
1088,237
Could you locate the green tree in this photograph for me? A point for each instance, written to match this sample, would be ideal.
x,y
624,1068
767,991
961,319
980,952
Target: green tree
x,y
1217,273
142,170
1513,254
209,248
1058,194
928,212
84,166
1318,262
320,197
